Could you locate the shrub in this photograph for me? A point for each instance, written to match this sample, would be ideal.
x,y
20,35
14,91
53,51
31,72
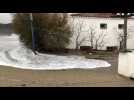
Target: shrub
x,y
52,31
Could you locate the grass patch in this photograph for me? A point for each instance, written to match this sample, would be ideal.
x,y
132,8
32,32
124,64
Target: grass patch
x,y
100,55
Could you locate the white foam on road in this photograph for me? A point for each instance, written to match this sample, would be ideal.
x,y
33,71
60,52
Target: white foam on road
x,y
13,53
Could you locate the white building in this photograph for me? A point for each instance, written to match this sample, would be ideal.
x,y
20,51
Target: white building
x,y
107,24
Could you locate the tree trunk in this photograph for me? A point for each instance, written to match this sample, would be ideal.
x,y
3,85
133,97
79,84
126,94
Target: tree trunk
x,y
92,41
77,46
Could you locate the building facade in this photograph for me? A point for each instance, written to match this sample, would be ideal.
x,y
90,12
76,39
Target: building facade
x,y
107,27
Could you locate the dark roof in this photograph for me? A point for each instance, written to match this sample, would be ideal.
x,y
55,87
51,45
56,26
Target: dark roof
x,y
101,15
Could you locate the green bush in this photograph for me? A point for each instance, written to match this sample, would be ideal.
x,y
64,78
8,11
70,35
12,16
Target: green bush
x,y
51,30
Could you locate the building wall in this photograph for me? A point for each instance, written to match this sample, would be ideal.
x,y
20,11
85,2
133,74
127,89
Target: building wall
x,y
112,31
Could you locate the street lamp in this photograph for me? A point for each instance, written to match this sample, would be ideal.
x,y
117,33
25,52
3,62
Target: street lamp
x,y
33,34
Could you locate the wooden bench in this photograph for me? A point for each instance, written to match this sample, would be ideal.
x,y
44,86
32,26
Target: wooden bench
x,y
112,48
87,49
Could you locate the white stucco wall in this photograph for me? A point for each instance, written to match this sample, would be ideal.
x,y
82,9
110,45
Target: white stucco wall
x,y
111,38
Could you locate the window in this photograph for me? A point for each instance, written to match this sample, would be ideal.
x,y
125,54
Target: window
x,y
103,26
120,26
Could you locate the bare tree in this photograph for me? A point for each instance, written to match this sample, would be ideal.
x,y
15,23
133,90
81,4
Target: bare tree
x,y
99,41
96,40
120,36
77,29
92,34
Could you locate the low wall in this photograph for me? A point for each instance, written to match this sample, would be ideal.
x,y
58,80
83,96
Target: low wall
x,y
126,64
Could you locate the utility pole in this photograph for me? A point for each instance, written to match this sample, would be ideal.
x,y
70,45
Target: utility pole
x,y
125,17
33,34
125,31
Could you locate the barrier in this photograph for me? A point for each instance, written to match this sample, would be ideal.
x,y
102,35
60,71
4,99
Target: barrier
x,y
126,64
